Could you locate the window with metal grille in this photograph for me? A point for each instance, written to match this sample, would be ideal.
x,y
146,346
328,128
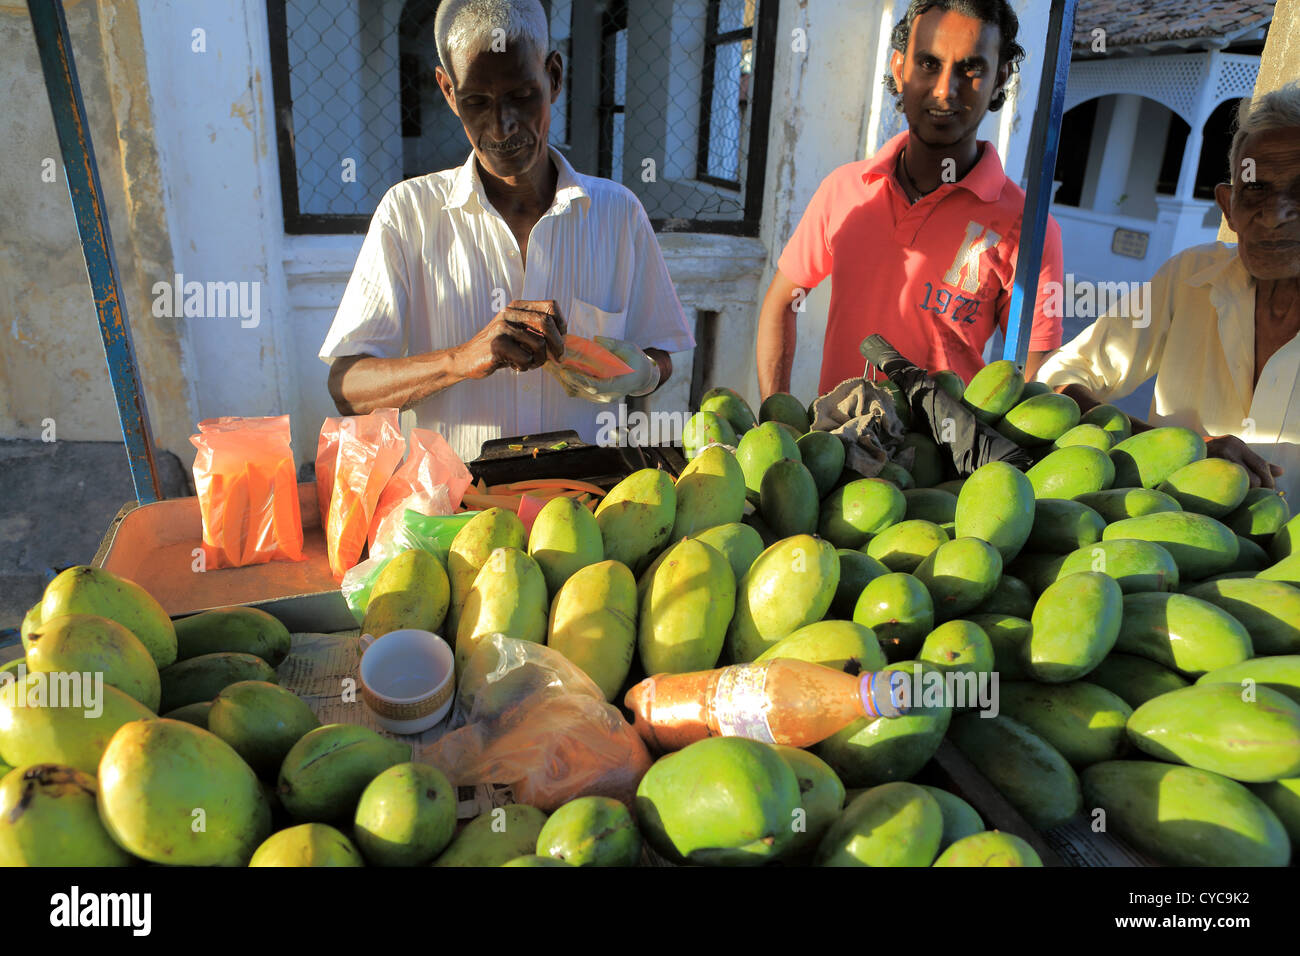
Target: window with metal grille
x,y
669,97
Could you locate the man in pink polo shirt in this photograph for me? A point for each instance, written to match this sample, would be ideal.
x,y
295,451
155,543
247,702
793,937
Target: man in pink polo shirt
x,y
920,240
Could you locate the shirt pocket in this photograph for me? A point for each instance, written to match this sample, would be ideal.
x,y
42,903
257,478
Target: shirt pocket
x,y
589,321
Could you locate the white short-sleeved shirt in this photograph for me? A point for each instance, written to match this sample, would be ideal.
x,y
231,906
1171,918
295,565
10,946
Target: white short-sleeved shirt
x,y
438,262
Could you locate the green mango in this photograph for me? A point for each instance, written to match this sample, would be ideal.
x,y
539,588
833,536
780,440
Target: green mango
x,y
784,407
1083,721
1071,472
308,844
730,406
1269,610
534,860
994,390
1011,596
1185,817
1075,625
1283,798
1037,571
684,617
324,773
1261,514
842,645
470,549
406,816
87,590
261,722
870,752
903,546
710,492
31,621
1008,635
959,818
1135,565
997,505
1062,526
1033,389
1200,545
1040,420
1251,558
593,623
591,831
853,514
1110,420
789,585
496,837
203,677
156,778
953,487
244,630
1148,458
703,429
1287,570
739,543
196,714
990,848
928,460
958,646
823,455
86,644
896,475
1280,674
1211,727
960,575
636,518
1284,541
1030,772
1116,504
901,405
566,538
899,611
1089,435
1135,680
894,824
1183,633
950,382
722,801
788,499
48,817
508,597
35,731
857,570
931,504
412,591
759,449
821,798
1212,486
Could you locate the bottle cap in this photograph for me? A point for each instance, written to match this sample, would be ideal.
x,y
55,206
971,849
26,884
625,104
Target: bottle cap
x,y
884,693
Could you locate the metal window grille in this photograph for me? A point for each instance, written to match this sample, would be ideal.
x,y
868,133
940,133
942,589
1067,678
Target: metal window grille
x,y
669,97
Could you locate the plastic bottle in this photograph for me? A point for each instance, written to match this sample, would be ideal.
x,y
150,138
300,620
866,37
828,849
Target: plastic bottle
x,y
778,702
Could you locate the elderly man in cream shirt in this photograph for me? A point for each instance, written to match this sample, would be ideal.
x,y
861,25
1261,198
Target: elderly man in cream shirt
x,y
1221,332
469,278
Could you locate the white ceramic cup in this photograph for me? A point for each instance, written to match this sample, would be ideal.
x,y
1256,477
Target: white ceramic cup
x,y
408,678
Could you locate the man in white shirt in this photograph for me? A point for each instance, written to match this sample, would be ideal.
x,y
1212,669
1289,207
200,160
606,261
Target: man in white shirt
x,y
1221,335
469,278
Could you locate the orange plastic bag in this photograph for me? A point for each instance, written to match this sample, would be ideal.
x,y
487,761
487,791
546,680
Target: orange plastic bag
x,y
248,491
369,448
431,481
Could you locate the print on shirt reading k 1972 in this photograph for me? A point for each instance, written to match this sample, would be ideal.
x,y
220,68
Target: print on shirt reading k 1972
x,y
964,273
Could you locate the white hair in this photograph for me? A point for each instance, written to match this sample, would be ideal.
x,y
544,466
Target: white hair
x,y
1277,110
473,26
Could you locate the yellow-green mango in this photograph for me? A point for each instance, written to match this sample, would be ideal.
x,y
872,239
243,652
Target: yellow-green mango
x,y
593,623
1200,545
959,818
1135,565
994,390
1116,504
1183,816
1074,626
86,644
1083,721
728,404
172,793
1280,674
1008,635
307,844
899,611
996,504
1183,633
412,591
33,731
204,677
1286,570
990,848
508,596
759,449
958,646
1040,420
703,429
536,860
1284,542
739,543
48,817
566,538
1072,471
1283,798
903,546
1110,420
821,798
261,721
684,618
950,382
788,499
1029,771
784,407
636,517
244,630
852,514
960,574
894,824
1090,435
324,774
1269,610
481,535
857,570
1261,514
1135,680
1246,733
87,590
1211,486
496,837
789,585
591,831
1148,458
842,645
31,620
406,816
1062,526
710,492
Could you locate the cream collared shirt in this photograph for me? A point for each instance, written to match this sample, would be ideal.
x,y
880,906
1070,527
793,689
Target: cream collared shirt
x,y
1200,346
438,262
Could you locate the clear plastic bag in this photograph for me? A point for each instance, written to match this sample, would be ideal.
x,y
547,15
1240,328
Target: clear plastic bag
x,y
536,722
431,481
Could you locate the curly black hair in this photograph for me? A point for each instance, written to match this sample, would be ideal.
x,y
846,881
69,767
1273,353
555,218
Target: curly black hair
x,y
996,12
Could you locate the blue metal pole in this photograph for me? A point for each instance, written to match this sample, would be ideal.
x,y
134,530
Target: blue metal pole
x,y
64,90
1044,140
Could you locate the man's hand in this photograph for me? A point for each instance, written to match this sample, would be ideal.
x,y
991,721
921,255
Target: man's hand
x,y
642,380
520,337
1231,448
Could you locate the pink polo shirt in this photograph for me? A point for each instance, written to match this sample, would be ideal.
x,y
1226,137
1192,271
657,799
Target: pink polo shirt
x,y
932,277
